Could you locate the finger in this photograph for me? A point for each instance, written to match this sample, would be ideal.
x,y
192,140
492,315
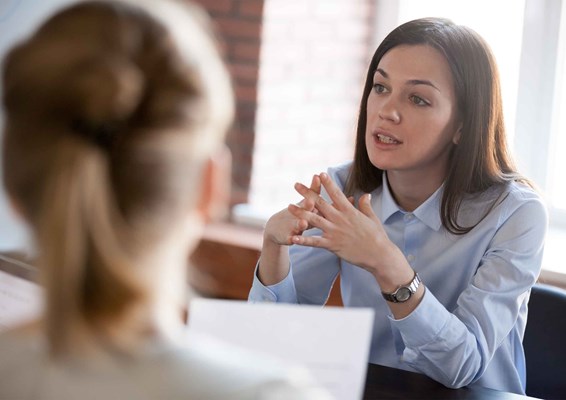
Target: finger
x,y
351,200
366,208
306,192
300,226
307,204
311,241
320,205
315,184
313,219
339,199
309,198
312,201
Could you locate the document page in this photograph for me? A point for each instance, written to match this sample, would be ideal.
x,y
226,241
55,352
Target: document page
x,y
20,300
332,342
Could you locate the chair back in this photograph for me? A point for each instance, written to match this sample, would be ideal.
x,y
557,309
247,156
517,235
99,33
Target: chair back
x,y
545,342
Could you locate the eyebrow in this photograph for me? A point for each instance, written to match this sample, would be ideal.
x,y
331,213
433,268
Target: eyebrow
x,y
410,81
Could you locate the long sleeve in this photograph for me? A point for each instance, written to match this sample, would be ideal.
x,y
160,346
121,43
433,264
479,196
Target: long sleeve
x,y
457,348
312,273
468,328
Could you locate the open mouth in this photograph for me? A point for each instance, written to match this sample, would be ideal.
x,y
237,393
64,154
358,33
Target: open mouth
x,y
386,139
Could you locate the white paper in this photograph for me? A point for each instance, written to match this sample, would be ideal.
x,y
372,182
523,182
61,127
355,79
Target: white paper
x,y
20,300
332,342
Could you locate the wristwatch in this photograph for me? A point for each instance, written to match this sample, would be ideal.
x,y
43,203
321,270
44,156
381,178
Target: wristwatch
x,y
403,293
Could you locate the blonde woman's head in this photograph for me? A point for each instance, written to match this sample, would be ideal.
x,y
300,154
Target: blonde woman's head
x,y
113,110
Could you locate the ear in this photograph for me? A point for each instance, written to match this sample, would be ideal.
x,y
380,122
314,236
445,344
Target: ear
x,y
457,136
215,188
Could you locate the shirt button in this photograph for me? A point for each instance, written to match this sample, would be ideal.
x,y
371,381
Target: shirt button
x,y
408,217
410,258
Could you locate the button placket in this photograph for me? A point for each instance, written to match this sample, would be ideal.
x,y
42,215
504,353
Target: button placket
x,y
411,237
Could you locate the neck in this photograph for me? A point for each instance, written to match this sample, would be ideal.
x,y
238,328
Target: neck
x,y
159,316
412,190
167,277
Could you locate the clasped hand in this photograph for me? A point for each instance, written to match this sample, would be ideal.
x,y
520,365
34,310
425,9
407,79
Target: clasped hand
x,y
353,234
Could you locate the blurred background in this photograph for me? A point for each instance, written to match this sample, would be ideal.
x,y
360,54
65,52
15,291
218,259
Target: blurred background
x,y
298,68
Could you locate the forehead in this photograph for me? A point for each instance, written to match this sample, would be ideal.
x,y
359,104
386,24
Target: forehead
x,y
408,62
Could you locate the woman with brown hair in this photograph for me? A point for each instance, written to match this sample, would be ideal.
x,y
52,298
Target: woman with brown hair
x,y
113,154
431,224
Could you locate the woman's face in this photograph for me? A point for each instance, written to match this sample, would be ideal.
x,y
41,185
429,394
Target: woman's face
x,y
411,113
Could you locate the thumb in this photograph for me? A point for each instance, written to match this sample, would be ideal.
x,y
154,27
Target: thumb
x,y
365,206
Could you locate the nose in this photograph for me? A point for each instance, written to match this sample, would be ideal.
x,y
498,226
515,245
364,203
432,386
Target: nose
x,y
389,111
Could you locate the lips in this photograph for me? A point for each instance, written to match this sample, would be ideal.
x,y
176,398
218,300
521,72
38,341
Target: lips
x,y
385,138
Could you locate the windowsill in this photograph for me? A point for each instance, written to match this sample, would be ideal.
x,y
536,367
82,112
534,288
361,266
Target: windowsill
x,y
224,262
553,278
251,216
234,234
553,260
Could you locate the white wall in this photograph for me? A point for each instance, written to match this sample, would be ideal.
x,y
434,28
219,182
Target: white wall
x,y
18,18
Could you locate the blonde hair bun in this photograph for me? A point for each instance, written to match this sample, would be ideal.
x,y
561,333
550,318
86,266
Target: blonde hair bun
x,y
107,91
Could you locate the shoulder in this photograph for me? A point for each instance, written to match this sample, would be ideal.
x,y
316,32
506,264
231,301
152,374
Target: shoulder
x,y
520,198
503,202
20,361
201,368
204,362
515,215
19,345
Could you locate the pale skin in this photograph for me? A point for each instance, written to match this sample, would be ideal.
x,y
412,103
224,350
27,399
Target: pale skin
x,y
411,126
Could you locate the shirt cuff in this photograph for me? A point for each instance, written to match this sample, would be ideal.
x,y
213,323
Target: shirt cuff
x,y
424,324
281,292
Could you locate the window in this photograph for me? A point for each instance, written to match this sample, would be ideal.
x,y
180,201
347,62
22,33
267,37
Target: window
x,y
528,44
528,38
503,36
314,57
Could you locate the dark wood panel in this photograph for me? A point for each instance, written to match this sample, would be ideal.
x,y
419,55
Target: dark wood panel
x,y
224,262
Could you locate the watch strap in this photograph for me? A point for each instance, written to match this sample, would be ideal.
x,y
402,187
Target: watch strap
x,y
411,287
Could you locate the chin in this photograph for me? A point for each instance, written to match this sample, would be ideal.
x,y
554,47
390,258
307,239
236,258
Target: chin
x,y
379,163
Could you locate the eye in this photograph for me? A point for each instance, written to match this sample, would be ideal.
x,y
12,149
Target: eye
x,y
379,88
419,101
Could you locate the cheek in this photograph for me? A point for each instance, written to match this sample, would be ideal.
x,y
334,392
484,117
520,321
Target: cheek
x,y
372,112
448,128
441,125
371,105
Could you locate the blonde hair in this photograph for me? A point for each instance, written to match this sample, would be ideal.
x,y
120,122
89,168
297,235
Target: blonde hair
x,y
111,110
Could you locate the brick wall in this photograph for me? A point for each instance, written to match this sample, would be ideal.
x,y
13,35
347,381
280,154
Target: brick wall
x,y
298,68
313,61
238,23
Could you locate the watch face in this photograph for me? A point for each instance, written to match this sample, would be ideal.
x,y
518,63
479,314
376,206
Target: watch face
x,y
403,294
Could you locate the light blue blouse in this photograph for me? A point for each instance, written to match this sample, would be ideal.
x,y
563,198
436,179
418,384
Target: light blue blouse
x,y
468,328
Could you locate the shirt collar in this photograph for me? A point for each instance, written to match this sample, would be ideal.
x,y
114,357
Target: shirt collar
x,y
388,205
428,212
